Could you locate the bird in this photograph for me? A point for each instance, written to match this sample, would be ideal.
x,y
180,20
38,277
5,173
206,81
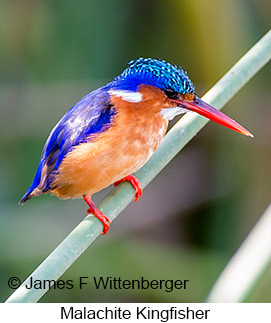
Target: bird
x,y
112,132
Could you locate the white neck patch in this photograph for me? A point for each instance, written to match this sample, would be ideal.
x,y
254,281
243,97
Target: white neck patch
x,y
128,96
170,113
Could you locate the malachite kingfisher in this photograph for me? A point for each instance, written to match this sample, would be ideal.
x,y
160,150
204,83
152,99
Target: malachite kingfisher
x,y
112,132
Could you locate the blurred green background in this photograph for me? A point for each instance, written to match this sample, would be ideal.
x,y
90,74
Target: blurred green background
x,y
194,215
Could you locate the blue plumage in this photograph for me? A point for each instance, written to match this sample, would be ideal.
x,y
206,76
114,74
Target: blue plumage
x,y
156,72
88,116
92,114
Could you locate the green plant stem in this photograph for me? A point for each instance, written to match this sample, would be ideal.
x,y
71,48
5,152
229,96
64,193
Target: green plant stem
x,y
246,266
90,228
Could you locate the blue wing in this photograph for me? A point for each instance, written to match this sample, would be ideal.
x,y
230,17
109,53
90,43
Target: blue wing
x,y
89,116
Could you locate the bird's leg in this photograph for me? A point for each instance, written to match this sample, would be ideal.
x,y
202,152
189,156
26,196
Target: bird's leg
x,y
135,183
96,212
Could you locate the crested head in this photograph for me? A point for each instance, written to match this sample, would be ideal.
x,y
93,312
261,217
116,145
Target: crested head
x,y
155,72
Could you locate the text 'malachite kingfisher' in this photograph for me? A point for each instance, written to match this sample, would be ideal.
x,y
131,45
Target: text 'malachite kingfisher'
x,y
112,132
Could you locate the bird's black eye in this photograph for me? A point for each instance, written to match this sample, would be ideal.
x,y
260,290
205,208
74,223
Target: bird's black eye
x,y
171,94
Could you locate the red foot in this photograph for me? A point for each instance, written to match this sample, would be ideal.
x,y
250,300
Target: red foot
x,y
93,209
135,183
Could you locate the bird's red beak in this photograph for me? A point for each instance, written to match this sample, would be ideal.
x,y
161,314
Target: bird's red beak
x,y
201,107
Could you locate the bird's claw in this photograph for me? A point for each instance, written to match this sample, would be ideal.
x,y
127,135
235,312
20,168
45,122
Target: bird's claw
x,y
138,193
103,218
96,212
134,182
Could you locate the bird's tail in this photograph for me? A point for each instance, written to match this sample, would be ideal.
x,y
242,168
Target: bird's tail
x,y
27,196
34,189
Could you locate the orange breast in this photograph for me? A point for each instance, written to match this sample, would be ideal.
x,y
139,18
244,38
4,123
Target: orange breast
x,y
135,134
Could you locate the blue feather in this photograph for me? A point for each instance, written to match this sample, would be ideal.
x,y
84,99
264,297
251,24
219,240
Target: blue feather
x,y
91,115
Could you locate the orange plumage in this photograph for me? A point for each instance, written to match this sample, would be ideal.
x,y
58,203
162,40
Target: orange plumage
x,y
136,131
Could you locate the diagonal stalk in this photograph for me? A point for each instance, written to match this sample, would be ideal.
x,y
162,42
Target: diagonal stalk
x,y
246,266
184,130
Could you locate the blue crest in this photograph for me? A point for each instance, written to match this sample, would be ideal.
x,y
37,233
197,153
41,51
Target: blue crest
x,y
156,72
